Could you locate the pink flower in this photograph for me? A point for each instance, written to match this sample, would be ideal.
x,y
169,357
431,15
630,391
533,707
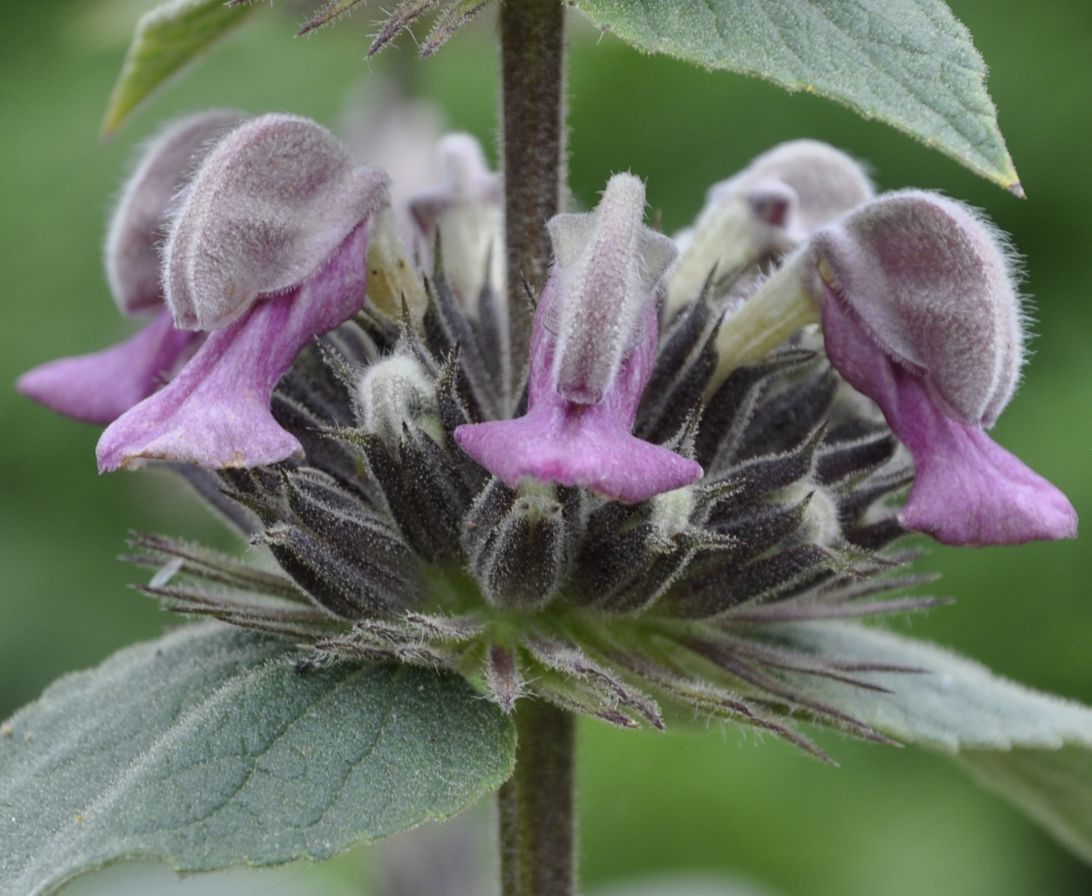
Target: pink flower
x,y
267,250
100,387
919,313
592,349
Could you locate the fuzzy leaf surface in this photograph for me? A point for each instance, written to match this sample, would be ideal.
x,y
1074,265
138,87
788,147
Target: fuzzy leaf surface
x,y
207,749
909,63
1034,749
166,39
954,704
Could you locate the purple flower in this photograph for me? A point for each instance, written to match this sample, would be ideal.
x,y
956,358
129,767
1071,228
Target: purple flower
x,y
267,250
215,413
919,313
99,387
592,349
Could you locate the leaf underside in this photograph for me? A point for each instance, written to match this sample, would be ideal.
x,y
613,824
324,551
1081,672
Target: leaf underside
x,y
909,63
208,749
166,39
1032,748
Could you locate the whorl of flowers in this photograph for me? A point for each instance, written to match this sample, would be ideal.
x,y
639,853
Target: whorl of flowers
x,y
690,458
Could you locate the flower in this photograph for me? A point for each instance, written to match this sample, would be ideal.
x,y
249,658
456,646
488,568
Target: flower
x,y
769,208
267,249
537,555
100,387
919,313
466,215
680,478
593,345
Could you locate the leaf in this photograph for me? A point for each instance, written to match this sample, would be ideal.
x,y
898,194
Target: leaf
x,y
952,704
1032,748
1054,788
166,39
910,63
207,749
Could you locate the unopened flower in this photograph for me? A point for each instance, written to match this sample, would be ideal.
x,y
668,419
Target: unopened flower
x,y
770,207
100,387
920,314
266,250
464,216
593,345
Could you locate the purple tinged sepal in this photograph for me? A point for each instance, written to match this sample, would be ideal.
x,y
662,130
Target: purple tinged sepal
x,y
269,204
100,387
593,346
215,413
920,314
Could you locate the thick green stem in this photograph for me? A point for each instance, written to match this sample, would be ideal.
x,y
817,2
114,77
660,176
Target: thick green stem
x,y
535,807
532,75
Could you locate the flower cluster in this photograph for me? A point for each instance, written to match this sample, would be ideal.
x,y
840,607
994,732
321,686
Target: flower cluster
x,y
704,443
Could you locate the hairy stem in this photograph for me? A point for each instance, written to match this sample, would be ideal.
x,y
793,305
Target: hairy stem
x,y
535,807
532,75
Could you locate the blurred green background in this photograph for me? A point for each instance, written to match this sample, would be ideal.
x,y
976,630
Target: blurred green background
x,y
888,821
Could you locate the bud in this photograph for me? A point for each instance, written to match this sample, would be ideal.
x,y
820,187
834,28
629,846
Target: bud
x,y
466,213
774,204
593,345
395,392
268,207
524,559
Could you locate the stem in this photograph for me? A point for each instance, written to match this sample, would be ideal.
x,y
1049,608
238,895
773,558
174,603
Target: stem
x,y
535,806
532,76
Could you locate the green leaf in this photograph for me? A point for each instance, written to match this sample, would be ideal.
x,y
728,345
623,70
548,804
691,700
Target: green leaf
x,y
1054,788
910,63
953,704
1030,747
166,39
207,749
